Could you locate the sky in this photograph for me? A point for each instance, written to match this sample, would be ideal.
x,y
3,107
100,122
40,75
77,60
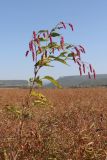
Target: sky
x,y
18,18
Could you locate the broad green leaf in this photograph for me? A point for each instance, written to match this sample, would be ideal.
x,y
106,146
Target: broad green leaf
x,y
44,47
43,39
42,31
52,80
55,34
60,60
39,63
70,55
44,62
53,45
62,54
48,65
50,56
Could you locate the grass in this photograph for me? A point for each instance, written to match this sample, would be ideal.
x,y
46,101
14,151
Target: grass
x,y
73,126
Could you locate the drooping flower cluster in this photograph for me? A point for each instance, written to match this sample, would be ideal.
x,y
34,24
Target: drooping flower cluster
x,y
45,43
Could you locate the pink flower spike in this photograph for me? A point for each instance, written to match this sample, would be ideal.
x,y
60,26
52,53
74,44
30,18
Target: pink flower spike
x,y
80,71
62,42
84,68
37,41
33,56
53,50
78,63
90,68
62,39
94,74
63,25
50,37
77,50
71,26
58,48
89,75
82,48
39,48
27,52
44,35
34,35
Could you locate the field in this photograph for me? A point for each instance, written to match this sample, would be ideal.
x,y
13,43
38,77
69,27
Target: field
x,y
71,126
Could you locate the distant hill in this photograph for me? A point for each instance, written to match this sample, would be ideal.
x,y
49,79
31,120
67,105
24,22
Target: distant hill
x,y
82,81
13,83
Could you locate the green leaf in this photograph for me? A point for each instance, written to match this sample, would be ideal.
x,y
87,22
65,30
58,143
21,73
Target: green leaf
x,y
48,65
43,39
60,60
62,54
39,63
53,45
52,80
38,52
69,46
55,34
42,31
44,47
50,56
72,54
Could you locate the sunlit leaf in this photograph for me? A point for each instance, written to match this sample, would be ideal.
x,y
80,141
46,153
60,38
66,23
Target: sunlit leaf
x,y
53,45
52,80
60,60
48,65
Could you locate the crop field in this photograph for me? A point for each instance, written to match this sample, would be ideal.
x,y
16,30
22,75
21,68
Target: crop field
x,y
70,125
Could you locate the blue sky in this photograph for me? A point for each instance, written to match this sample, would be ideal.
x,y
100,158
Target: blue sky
x,y
18,18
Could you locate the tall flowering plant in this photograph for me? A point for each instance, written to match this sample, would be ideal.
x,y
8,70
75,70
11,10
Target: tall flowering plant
x,y
48,46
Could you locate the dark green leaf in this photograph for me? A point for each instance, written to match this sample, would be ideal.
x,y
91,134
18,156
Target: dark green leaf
x,y
42,31
39,63
43,39
72,54
55,34
62,54
69,46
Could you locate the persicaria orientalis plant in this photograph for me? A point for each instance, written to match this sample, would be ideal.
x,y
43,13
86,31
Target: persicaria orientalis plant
x,y
48,46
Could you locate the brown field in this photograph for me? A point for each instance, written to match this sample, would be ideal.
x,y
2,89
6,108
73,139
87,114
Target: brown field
x,y
71,126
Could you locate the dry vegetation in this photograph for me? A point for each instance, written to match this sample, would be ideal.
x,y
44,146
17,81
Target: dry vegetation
x,y
72,127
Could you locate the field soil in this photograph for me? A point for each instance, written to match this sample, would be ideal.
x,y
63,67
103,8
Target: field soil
x,y
71,125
